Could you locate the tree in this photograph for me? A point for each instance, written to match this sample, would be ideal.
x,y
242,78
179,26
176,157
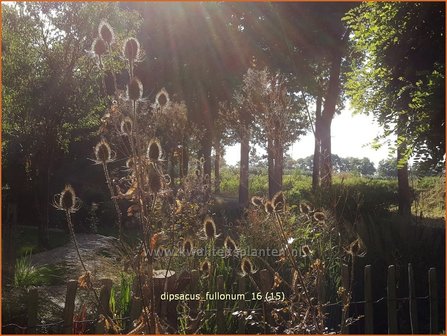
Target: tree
x,y
399,77
387,168
51,92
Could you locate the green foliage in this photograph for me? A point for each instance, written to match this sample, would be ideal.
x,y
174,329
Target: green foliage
x,y
26,274
398,73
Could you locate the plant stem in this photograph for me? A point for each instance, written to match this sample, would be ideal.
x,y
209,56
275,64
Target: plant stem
x,y
115,202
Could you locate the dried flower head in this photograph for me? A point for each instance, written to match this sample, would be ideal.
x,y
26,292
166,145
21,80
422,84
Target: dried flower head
x,y
209,227
268,206
135,89
154,151
230,245
205,268
126,126
67,200
357,248
162,98
105,31
319,216
257,201
103,153
307,252
99,47
131,49
129,163
247,266
188,246
279,201
305,208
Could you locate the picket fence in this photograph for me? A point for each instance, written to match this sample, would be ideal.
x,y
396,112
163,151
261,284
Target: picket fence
x,y
65,325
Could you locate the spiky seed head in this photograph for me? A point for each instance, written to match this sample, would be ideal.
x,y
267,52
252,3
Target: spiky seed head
x,y
154,177
154,151
68,198
230,244
209,227
135,89
105,31
319,216
268,206
305,208
246,266
131,49
279,201
126,126
129,163
205,268
103,152
188,246
162,98
306,250
257,201
99,47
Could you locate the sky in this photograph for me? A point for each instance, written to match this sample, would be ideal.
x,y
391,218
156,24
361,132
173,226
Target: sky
x,y
352,135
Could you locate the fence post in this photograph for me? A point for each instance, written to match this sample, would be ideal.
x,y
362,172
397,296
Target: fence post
x,y
391,300
412,301
136,303
220,321
32,304
345,299
241,321
69,307
369,307
104,306
433,294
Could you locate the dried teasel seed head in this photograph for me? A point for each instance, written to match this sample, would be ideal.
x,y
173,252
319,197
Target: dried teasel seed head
x,y
162,98
247,266
257,201
305,249
305,208
205,268
126,126
155,183
279,201
105,31
319,216
230,244
209,227
68,198
103,153
131,49
154,151
99,47
268,206
135,89
188,246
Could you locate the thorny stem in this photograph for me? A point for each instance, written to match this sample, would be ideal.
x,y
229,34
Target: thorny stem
x,y
115,202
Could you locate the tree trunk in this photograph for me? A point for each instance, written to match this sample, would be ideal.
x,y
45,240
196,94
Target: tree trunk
x,y
403,186
330,103
206,154
218,150
271,166
278,163
317,147
243,170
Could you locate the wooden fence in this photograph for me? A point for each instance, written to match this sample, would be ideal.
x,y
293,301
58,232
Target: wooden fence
x,y
65,325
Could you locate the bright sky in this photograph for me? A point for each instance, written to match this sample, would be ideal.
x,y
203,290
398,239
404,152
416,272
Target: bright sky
x,y
351,136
